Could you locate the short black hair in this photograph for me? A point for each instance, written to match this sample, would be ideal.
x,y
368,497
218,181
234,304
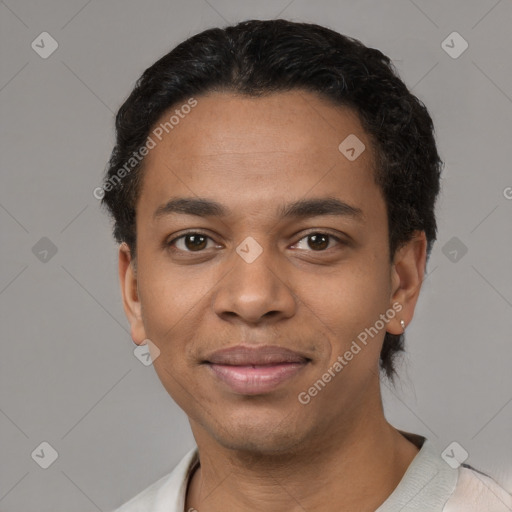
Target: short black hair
x,y
256,58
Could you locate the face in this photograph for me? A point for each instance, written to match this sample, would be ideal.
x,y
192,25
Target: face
x,y
255,232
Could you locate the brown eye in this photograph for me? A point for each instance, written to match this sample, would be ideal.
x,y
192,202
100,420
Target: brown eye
x,y
195,242
190,242
317,242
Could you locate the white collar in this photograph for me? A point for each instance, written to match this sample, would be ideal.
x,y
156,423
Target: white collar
x,y
427,485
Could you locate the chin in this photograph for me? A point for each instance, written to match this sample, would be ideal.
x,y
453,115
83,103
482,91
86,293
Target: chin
x,y
262,436
261,446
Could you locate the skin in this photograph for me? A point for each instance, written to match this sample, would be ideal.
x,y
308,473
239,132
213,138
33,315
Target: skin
x,y
269,451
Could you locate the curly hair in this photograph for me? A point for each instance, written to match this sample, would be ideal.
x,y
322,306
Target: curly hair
x,y
258,57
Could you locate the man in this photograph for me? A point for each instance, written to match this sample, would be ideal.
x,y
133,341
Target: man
x,y
273,189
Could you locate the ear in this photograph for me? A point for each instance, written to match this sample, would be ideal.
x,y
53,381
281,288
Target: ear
x,y
129,290
407,273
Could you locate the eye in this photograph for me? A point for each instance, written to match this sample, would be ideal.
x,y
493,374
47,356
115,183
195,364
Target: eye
x,y
191,242
317,241
194,241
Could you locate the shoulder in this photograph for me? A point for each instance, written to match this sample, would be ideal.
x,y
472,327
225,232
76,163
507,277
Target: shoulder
x,y
166,494
476,492
146,499
432,484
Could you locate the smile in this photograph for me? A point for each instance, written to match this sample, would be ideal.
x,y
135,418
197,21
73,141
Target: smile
x,y
255,379
255,370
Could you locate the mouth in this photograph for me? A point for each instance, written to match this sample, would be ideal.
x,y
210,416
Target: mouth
x,y
255,370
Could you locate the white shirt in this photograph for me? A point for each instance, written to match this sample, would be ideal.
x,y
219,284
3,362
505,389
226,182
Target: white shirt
x,y
428,485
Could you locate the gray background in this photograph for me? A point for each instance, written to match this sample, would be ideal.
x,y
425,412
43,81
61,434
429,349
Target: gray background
x,y
68,373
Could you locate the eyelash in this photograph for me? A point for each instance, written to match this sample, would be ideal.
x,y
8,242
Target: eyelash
x,y
170,243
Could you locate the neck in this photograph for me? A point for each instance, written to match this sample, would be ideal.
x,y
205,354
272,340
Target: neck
x,y
348,468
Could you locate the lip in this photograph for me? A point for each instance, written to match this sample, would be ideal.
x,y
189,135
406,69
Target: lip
x,y
255,370
243,355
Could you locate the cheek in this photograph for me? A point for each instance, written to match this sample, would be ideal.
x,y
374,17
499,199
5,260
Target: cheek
x,y
171,298
176,307
346,302
169,312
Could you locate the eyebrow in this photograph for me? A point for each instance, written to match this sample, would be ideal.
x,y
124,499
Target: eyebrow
x,y
303,208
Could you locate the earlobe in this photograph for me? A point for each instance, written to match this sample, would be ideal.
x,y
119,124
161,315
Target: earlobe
x,y
130,295
407,274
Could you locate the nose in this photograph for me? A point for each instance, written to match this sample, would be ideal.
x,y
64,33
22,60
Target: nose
x,y
254,292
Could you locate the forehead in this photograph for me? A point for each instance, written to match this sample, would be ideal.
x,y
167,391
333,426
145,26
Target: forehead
x,y
283,144
295,121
